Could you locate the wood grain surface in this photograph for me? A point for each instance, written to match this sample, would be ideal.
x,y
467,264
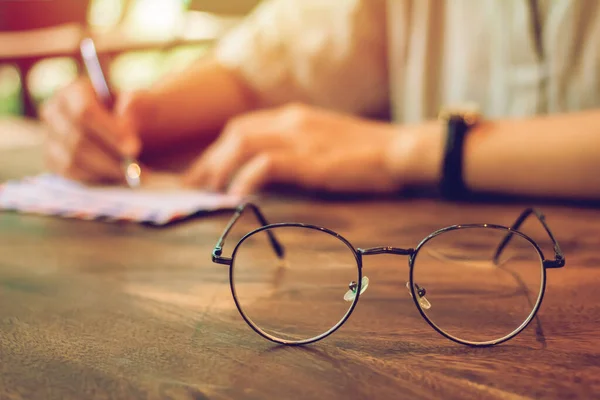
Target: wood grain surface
x,y
93,310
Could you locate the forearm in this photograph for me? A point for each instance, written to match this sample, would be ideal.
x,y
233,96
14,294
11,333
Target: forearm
x,y
271,59
551,156
193,105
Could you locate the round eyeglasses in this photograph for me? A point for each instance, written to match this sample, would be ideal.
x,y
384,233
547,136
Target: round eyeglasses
x,y
476,284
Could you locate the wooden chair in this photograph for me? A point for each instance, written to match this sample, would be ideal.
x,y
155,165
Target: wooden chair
x,y
28,26
34,30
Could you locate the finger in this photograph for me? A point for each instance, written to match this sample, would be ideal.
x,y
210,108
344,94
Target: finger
x,y
58,161
81,150
56,157
210,167
220,162
47,109
85,111
229,156
94,160
197,174
89,163
71,150
77,138
265,169
61,129
136,109
239,142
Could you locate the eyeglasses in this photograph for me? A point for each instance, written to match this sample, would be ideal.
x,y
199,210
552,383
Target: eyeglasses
x,y
475,284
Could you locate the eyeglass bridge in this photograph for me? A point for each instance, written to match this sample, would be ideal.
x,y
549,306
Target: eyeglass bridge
x,y
350,295
386,250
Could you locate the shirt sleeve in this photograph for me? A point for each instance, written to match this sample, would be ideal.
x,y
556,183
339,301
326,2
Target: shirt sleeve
x,y
328,53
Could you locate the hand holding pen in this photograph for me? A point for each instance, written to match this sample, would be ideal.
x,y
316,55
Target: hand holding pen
x,y
88,139
131,168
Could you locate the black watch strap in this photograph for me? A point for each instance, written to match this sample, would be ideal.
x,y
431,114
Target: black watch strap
x,y
452,185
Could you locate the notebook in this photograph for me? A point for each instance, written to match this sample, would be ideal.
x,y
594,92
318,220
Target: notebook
x,y
158,204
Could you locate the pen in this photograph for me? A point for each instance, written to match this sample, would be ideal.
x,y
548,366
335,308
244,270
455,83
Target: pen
x,y
131,167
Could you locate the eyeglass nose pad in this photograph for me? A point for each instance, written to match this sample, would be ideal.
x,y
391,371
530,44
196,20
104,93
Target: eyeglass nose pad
x,y
351,293
423,302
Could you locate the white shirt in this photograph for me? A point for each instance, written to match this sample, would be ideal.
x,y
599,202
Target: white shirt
x,y
409,58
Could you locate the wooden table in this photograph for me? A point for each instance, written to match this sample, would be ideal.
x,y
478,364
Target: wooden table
x,y
98,310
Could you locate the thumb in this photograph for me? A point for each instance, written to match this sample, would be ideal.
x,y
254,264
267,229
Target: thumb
x,y
133,110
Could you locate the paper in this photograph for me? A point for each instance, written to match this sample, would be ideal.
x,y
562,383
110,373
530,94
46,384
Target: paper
x,y
161,204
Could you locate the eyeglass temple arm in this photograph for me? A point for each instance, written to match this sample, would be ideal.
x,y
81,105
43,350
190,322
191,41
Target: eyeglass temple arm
x,y
218,250
559,258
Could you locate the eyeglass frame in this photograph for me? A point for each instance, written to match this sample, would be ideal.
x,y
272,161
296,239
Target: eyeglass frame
x,y
559,261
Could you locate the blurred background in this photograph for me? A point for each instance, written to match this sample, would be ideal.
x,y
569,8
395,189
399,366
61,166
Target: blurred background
x,y
141,39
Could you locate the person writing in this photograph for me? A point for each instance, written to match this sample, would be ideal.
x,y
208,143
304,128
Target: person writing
x,y
344,96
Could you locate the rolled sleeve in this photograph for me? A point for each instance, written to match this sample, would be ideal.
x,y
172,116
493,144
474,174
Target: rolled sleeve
x,y
328,53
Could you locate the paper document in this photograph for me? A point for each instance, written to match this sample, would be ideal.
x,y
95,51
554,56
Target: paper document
x,y
50,194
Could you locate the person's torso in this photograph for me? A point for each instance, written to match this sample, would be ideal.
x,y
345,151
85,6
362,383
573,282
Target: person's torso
x,y
511,57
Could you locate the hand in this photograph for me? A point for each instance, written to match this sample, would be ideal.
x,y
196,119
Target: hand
x,y
86,141
301,145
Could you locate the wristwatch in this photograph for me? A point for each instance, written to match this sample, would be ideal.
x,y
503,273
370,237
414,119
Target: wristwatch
x,y
458,121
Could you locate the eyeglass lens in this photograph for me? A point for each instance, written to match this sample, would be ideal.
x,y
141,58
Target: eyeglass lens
x,y
473,297
277,296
